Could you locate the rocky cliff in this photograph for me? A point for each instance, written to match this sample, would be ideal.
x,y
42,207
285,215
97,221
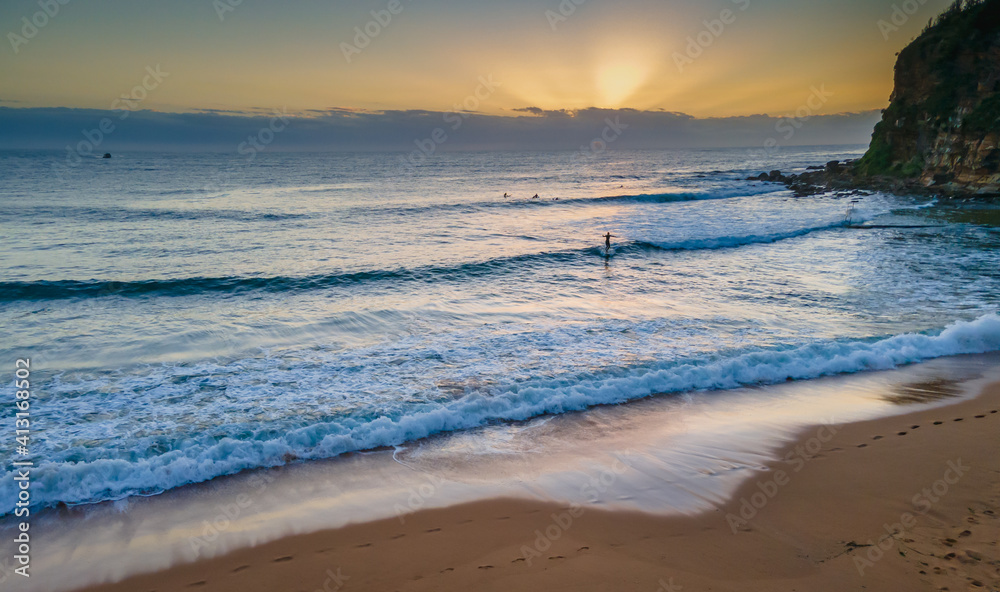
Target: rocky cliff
x,y
942,127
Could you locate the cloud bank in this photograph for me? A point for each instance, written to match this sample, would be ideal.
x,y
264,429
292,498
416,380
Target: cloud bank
x,y
414,131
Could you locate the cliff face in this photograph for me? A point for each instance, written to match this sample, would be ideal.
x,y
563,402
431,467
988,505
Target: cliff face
x,y
942,127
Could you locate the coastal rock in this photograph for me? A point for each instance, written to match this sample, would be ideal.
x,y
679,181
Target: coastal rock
x,y
772,177
940,130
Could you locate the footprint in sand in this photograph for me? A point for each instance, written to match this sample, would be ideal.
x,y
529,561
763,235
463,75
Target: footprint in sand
x,y
980,416
519,560
901,434
958,419
556,557
862,446
398,536
583,549
362,546
241,568
938,422
877,438
447,569
485,567
914,427
433,530
196,584
282,559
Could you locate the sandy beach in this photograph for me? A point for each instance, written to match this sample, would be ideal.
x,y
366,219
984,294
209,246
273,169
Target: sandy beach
x,y
908,502
494,296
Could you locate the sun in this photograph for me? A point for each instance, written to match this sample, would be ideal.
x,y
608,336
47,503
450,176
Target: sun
x,y
618,78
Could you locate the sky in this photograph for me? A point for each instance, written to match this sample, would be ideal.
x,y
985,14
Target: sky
x,y
707,59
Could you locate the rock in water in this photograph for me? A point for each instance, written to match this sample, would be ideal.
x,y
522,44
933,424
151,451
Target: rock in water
x,y
106,155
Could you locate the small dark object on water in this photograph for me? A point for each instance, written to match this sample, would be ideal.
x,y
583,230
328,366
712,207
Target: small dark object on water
x,y
106,155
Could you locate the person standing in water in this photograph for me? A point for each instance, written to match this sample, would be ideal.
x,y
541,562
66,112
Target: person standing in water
x,y
607,241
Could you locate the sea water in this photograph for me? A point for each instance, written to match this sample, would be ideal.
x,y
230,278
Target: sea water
x,y
189,316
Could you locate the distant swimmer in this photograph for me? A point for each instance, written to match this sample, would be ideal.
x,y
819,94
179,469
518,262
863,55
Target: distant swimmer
x,y
535,196
607,241
506,195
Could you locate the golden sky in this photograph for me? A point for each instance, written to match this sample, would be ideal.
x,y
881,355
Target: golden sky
x,y
706,58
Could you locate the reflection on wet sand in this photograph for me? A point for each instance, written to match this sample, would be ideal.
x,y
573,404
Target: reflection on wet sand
x,y
926,391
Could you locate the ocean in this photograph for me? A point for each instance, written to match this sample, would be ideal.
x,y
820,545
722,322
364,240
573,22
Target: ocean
x,y
189,316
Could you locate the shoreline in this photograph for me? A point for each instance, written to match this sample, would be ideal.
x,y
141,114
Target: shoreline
x,y
806,522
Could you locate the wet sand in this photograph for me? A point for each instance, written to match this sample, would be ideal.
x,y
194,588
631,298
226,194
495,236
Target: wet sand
x,y
908,502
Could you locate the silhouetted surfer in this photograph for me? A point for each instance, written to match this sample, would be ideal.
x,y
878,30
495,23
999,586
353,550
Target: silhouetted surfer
x,y
607,242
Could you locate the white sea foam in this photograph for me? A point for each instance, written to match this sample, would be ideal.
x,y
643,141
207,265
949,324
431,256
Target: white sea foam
x,y
197,460
727,242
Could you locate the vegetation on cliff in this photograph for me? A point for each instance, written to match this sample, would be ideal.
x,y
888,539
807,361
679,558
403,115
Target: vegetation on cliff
x,y
944,114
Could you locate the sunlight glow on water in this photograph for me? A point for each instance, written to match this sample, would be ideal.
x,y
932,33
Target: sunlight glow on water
x,y
326,303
